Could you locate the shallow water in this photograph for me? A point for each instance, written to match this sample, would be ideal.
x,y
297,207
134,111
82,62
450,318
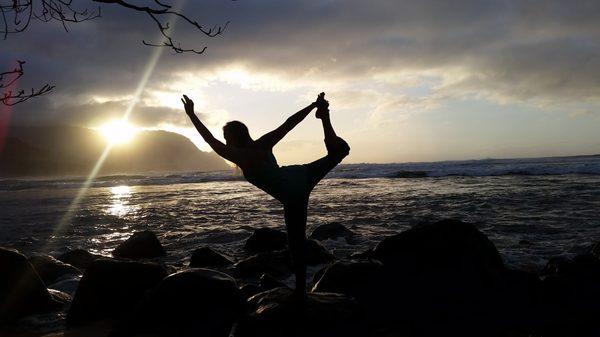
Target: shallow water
x,y
529,217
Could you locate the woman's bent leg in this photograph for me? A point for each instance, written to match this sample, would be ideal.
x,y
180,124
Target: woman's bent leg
x,y
295,222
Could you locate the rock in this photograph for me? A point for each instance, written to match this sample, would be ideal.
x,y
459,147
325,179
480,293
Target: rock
x,y
110,289
59,296
268,282
265,240
22,291
581,266
248,290
441,278
140,245
333,231
595,251
365,254
570,297
274,313
66,285
276,263
79,258
317,254
358,279
51,269
206,257
194,302
279,263
441,247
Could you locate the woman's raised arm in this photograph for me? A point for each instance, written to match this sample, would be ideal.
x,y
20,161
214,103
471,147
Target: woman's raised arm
x,y
217,146
270,139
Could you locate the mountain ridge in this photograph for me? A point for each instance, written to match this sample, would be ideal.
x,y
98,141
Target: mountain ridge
x,y
71,151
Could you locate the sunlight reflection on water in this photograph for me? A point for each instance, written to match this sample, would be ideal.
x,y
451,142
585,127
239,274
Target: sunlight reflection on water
x,y
120,201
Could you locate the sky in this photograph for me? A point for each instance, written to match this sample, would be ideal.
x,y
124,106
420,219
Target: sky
x,y
406,80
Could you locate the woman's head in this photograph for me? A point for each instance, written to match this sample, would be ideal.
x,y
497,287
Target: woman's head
x,y
236,134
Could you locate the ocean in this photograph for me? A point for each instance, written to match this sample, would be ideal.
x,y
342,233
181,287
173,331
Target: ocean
x,y
532,209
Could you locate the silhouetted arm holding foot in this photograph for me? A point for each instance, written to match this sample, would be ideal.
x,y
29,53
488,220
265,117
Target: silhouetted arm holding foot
x,y
217,146
270,139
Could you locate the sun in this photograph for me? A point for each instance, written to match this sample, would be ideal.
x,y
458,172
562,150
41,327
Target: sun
x,y
118,131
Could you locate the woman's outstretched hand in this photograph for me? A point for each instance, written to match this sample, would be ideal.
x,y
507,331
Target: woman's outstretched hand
x,y
188,104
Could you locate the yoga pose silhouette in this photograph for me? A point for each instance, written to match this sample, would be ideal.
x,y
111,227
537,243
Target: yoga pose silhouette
x,y
291,185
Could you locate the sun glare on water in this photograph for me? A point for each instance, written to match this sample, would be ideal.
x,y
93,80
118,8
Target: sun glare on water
x,y
118,131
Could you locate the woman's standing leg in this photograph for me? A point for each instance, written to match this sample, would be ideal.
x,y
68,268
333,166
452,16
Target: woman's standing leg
x,y
295,222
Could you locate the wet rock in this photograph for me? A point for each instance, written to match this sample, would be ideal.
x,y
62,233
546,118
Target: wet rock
x,y
207,257
441,278
22,291
358,279
317,254
79,258
59,296
276,263
581,266
333,231
447,246
265,240
51,269
570,297
268,282
275,313
110,289
194,302
249,289
66,285
595,251
139,246
362,255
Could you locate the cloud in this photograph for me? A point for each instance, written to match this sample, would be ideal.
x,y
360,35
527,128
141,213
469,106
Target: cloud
x,y
544,53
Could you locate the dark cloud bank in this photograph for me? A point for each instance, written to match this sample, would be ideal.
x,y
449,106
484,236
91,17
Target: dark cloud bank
x,y
546,52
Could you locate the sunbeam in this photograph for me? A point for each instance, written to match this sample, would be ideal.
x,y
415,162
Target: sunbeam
x,y
154,57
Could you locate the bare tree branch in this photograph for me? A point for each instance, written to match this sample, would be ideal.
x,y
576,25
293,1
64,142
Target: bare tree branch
x,y
9,78
162,12
17,14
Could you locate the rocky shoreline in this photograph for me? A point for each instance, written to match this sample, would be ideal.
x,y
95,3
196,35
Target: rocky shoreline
x,y
444,278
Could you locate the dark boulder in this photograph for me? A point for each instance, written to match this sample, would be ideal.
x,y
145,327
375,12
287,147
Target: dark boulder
x,y
51,269
595,250
22,291
268,282
317,254
441,278
265,240
581,266
275,313
358,279
194,302
207,257
441,247
79,258
570,297
361,280
277,263
140,245
361,255
333,231
110,289
249,289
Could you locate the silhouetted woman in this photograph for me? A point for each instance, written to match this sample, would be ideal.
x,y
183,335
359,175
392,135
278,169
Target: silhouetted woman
x,y
291,185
